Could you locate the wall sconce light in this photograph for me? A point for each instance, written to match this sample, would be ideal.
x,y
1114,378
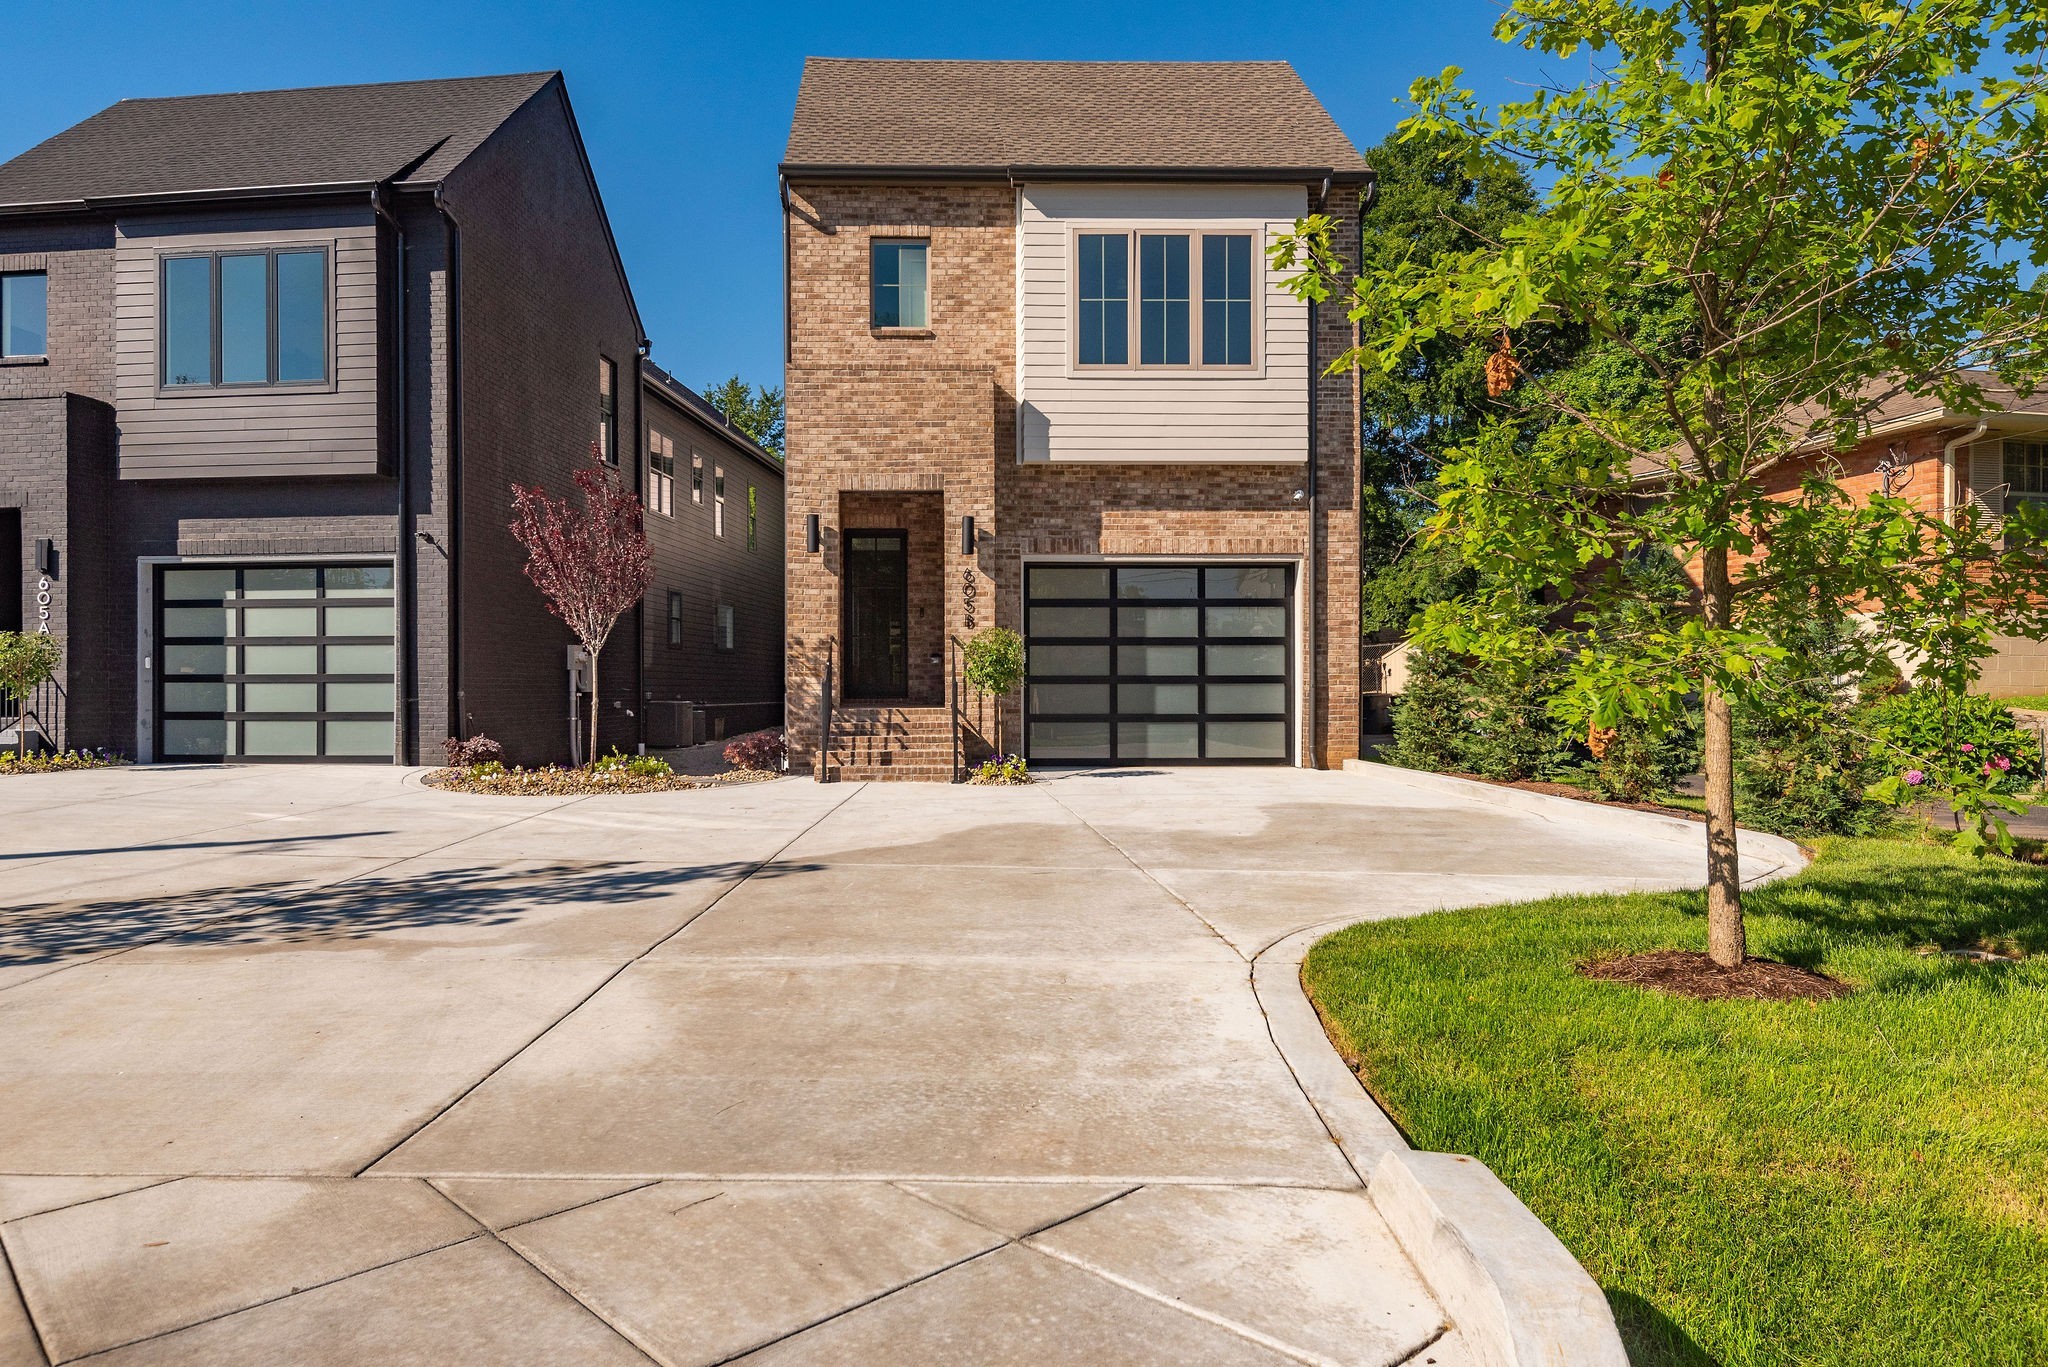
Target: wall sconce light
x,y
967,535
812,540
46,556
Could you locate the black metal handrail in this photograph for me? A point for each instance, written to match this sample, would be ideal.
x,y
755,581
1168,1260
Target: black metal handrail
x,y
45,711
959,756
825,718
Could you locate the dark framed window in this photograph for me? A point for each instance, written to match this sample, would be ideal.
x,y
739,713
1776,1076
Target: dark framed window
x,y
661,473
608,410
675,618
753,519
899,291
724,627
718,500
696,478
1104,299
24,314
240,319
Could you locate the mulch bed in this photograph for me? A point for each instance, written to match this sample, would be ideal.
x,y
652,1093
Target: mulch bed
x,y
1688,973
1534,785
555,782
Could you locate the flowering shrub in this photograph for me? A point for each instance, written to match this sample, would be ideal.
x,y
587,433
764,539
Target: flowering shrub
x,y
59,761
635,766
763,750
1965,750
1001,769
464,754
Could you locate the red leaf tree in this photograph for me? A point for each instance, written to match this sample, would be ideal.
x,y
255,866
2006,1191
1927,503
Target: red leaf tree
x,y
591,563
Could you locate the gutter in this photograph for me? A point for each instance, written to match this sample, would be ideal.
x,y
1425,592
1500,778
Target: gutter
x,y
408,561
1948,467
788,341
820,172
452,235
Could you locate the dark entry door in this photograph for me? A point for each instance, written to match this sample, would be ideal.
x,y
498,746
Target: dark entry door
x,y
877,615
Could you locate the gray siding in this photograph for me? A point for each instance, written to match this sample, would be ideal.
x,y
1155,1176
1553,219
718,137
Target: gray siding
x,y
310,430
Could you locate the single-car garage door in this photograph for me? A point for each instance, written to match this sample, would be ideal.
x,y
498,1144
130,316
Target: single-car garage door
x,y
275,662
1185,662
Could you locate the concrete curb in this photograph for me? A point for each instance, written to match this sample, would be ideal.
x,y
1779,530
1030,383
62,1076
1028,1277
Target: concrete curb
x,y
1783,857
1516,1294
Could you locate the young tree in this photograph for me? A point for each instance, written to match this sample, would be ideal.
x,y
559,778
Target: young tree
x,y
1844,202
755,411
994,661
590,563
28,660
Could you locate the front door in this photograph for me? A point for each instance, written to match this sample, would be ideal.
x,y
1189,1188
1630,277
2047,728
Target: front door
x,y
877,586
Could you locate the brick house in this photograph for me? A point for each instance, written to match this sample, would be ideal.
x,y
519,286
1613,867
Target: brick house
x,y
1040,376
1992,455
269,365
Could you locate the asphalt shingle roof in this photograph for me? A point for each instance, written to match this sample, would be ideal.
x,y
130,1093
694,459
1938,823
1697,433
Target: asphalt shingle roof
x,y
324,135
985,116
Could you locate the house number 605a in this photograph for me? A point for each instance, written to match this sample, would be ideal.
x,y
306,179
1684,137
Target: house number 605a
x,y
968,590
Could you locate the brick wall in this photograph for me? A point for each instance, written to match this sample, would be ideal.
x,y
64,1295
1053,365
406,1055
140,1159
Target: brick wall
x,y
933,411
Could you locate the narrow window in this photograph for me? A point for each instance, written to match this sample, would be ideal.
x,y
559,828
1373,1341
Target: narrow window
x,y
608,410
696,478
2026,474
188,320
661,473
718,500
753,519
25,314
1104,299
723,627
1227,299
1163,298
898,292
244,318
675,618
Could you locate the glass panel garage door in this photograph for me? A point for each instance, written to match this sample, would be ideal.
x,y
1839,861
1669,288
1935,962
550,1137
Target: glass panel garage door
x,y
275,662
1148,663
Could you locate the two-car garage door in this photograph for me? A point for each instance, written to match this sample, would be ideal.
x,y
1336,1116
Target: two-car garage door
x,y
1143,663
275,662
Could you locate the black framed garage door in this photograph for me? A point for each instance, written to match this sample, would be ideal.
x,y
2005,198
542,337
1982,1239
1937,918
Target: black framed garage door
x,y
275,662
1188,663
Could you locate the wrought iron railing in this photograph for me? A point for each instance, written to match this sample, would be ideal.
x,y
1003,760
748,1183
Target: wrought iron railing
x,y
45,714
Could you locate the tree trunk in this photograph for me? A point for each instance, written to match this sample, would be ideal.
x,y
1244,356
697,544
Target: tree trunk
x,y
593,707
1726,942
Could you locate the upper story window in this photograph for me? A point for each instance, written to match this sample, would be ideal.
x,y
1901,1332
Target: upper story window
x,y
24,314
661,473
724,627
244,318
899,292
608,410
753,519
675,618
1175,271
718,500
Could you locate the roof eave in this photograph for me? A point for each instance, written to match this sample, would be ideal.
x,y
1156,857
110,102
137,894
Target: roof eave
x,y
168,198
701,408
797,172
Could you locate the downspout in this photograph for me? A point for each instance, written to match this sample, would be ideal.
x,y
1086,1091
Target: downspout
x,y
452,231
640,608
788,351
1313,758
1367,197
407,562
1948,468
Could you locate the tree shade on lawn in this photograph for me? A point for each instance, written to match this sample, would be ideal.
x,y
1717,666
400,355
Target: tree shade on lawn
x,y
1861,1180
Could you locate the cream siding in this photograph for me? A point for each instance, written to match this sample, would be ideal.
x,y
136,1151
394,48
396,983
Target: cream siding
x,y
1167,416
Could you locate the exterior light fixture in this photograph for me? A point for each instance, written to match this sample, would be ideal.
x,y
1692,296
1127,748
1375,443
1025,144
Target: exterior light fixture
x,y
811,538
967,535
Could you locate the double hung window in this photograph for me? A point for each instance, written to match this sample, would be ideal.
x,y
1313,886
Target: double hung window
x,y
24,314
608,410
661,473
243,318
1194,306
899,293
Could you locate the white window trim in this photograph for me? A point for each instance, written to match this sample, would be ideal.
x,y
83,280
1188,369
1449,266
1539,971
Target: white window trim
x,y
1131,231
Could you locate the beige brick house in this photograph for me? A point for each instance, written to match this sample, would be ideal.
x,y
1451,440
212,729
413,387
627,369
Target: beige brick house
x,y
1041,376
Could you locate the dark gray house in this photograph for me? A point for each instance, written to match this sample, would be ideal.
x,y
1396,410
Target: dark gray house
x,y
269,366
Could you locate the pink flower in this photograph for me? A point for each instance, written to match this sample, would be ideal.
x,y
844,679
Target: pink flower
x,y
1969,749
2002,762
1987,768
1914,778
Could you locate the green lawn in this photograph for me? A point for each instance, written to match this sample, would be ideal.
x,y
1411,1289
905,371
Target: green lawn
x,y
1856,1181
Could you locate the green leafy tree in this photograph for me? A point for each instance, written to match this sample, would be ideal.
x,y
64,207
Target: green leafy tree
x,y
28,660
1844,197
994,664
756,411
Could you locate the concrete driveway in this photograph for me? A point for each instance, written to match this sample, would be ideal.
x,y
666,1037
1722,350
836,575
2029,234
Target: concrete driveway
x,y
322,1066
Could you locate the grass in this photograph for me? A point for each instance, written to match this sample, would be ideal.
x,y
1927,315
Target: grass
x,y
1856,1181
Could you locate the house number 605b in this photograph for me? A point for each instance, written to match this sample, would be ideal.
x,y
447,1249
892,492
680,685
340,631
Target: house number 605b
x,y
968,590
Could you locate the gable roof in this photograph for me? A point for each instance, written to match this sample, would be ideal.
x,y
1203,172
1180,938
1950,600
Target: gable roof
x,y
411,133
869,117
685,399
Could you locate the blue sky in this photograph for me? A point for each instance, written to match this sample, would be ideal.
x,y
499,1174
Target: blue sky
x,y
686,107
